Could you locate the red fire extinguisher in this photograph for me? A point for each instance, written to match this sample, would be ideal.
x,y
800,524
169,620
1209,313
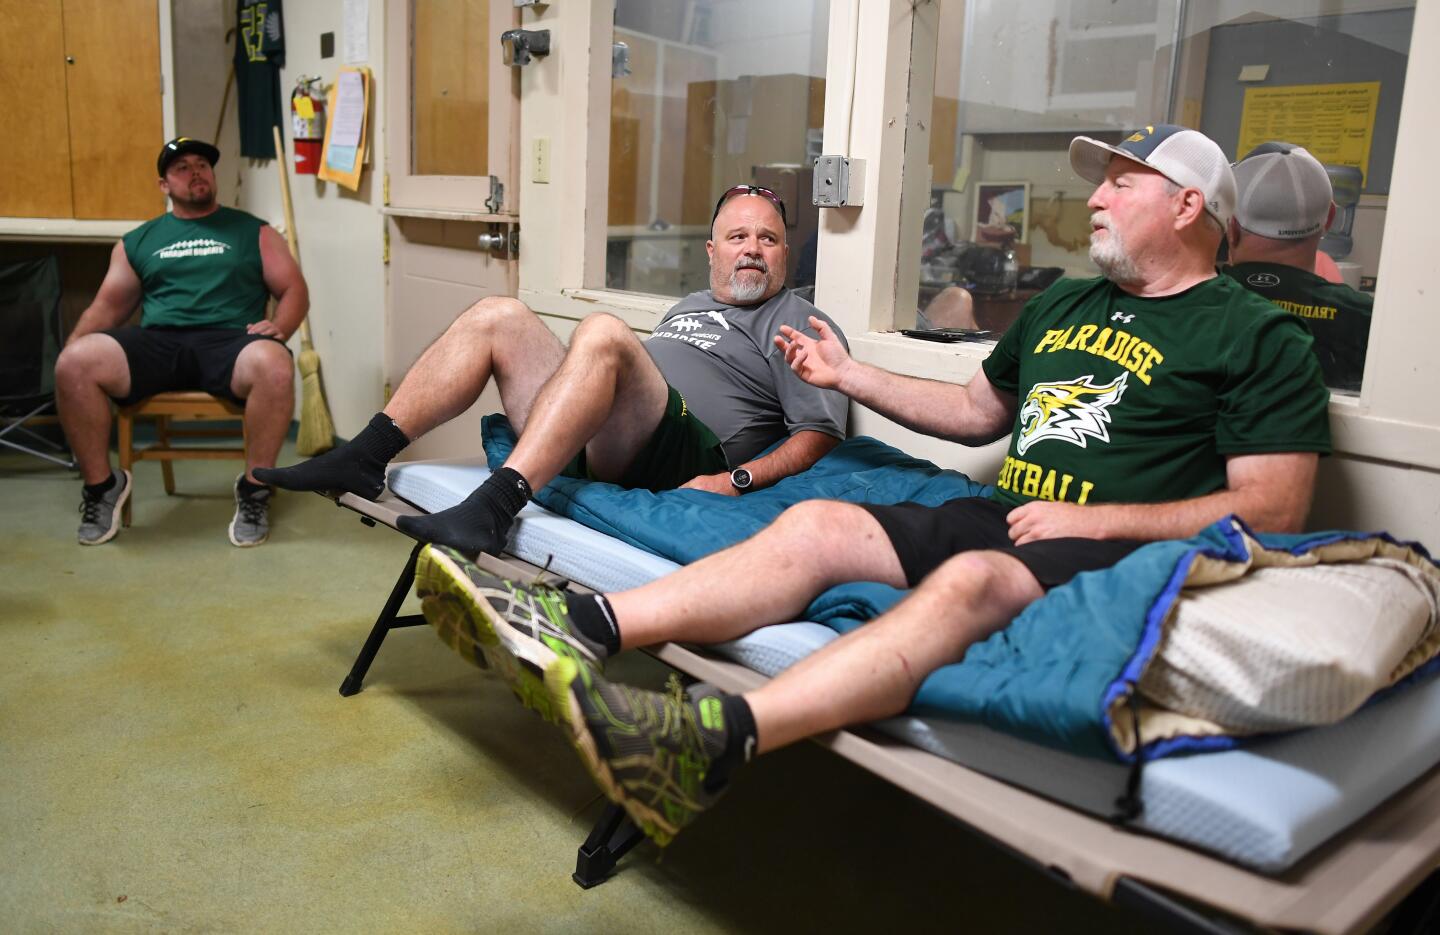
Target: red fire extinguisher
x,y
307,124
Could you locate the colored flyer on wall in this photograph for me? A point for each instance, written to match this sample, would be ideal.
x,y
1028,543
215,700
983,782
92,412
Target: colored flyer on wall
x,y
346,135
1335,122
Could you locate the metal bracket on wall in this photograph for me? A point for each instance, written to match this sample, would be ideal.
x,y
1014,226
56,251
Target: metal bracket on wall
x,y
501,240
496,201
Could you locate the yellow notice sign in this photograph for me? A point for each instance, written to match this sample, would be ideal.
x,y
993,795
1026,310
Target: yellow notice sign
x,y
1334,121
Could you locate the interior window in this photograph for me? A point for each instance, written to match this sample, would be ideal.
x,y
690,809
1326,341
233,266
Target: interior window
x,y
1015,81
707,95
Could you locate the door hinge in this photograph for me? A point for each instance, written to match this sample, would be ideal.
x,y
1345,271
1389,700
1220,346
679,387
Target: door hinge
x,y
385,193
385,243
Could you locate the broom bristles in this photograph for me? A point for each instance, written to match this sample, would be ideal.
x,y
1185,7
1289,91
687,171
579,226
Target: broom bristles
x,y
317,431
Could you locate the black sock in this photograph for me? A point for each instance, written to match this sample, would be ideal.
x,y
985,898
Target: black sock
x,y
357,467
741,738
246,487
480,522
595,620
104,487
381,438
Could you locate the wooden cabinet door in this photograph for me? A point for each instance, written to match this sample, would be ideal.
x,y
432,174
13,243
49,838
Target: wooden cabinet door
x,y
116,127
35,158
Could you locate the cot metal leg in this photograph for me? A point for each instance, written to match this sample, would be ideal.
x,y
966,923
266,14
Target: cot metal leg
x,y
386,622
612,838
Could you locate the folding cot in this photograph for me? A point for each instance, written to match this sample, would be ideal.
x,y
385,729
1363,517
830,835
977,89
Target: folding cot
x,y
1347,832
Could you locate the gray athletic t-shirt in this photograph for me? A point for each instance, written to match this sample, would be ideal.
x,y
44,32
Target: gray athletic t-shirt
x,y
723,360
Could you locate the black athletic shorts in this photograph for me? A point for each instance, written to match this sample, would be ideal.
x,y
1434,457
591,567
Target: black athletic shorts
x,y
925,536
682,448
163,359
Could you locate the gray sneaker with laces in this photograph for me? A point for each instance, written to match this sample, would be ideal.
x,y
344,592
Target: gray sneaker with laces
x,y
100,515
251,524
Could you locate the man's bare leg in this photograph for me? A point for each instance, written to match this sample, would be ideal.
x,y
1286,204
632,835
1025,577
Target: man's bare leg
x,y
873,672
606,397
264,376
607,392
87,374
496,337
769,578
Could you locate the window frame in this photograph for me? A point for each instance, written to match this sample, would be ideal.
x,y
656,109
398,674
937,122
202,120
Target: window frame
x,y
868,257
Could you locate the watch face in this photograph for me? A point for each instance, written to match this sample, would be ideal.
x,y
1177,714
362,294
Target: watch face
x,y
740,478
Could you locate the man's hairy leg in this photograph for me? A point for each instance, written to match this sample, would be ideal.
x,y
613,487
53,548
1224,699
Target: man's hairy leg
x,y
873,672
264,376
607,397
497,336
88,372
606,384
769,578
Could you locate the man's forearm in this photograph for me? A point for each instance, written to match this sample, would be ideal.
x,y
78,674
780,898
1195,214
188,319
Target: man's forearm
x,y
797,453
1181,519
97,317
291,308
933,408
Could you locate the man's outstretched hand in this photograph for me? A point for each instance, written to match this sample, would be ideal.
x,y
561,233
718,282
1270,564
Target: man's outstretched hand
x,y
820,361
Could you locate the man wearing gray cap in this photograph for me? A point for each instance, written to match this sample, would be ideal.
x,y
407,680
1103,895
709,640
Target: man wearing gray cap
x,y
1141,405
1283,207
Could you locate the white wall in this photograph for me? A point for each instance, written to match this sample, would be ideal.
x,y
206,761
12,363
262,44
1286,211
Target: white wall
x,y
341,233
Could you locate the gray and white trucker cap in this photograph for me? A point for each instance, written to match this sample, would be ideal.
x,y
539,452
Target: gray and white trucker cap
x,y
1186,157
1282,192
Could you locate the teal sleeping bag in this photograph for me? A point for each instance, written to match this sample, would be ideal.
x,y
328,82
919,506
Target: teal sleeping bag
x,y
1053,676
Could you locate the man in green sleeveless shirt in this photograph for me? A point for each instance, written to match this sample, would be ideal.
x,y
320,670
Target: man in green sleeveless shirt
x,y
1283,207
201,275
1141,405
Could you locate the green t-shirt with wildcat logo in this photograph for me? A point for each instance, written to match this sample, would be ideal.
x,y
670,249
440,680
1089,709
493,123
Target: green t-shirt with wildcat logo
x,y
1124,399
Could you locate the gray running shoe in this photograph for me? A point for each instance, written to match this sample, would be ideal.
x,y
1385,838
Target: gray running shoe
x,y
100,516
652,753
513,629
251,523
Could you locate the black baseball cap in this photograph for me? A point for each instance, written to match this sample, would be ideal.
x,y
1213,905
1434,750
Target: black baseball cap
x,y
180,146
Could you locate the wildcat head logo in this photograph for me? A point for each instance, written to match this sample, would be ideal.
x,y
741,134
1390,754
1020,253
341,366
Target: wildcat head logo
x,y
1068,411
694,321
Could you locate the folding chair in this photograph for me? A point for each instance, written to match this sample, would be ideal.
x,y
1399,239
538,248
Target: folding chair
x,y
30,338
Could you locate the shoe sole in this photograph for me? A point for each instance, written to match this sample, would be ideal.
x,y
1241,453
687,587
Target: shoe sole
x,y
470,625
115,515
561,679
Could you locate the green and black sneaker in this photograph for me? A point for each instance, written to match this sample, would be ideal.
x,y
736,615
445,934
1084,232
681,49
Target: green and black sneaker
x,y
516,630
651,752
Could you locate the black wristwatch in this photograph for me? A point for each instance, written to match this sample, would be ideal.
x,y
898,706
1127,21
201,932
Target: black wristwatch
x,y
741,480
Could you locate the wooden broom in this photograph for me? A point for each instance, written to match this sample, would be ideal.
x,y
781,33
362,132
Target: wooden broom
x,y
317,430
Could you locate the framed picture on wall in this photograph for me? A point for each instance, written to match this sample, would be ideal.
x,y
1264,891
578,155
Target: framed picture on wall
x,y
1002,213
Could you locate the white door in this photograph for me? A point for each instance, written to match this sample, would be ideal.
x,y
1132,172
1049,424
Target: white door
x,y
452,115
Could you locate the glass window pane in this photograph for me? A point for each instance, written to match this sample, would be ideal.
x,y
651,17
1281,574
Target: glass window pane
x,y
450,86
1007,215
706,102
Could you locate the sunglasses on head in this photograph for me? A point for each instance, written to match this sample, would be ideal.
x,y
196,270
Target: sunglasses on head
x,y
750,190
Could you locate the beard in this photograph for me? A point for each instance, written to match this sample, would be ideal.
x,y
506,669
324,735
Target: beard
x,y
190,199
747,288
1110,254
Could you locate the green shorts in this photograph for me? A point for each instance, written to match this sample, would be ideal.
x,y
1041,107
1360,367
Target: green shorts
x,y
682,448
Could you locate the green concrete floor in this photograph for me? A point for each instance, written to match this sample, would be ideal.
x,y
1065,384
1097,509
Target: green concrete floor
x,y
174,757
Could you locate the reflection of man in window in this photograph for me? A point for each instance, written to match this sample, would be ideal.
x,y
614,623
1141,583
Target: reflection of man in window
x,y
1282,210
707,402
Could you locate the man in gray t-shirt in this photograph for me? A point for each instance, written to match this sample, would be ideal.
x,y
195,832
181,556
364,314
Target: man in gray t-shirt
x,y
707,403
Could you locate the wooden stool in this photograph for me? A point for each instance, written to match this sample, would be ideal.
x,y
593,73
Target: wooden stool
x,y
186,406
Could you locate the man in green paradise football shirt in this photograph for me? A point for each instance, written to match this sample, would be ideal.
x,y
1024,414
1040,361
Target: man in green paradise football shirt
x,y
1283,207
201,275
1142,405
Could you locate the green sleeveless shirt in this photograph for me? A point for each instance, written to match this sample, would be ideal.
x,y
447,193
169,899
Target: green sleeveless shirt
x,y
200,273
